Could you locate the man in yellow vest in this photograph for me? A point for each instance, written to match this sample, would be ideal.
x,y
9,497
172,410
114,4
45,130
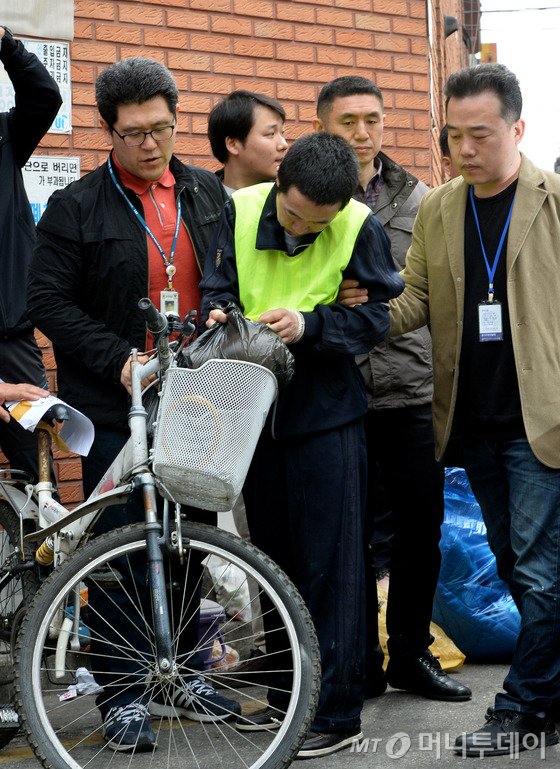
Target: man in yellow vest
x,y
281,252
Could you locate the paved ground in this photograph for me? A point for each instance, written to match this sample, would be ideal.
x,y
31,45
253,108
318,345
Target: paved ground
x,y
400,731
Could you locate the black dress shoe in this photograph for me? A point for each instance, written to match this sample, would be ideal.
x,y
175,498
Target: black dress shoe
x,y
423,675
375,687
264,720
507,732
319,744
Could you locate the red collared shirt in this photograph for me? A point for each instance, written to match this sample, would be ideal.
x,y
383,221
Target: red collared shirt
x,y
160,213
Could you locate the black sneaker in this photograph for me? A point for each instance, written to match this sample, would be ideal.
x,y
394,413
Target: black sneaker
x,y
127,728
195,699
319,744
507,732
9,724
8,717
260,721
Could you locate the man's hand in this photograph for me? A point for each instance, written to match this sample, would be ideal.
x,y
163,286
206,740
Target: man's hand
x,y
18,392
286,323
350,293
216,316
126,373
2,30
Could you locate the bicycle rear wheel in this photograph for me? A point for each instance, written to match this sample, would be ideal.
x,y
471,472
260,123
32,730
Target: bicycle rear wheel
x,y
20,584
65,730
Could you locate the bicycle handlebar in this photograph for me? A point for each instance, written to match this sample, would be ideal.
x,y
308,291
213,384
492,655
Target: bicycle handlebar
x,y
155,321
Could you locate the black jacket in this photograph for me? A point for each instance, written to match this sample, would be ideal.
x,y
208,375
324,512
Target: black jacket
x,y
21,130
327,390
90,268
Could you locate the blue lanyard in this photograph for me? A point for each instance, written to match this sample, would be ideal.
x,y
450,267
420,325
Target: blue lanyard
x,y
490,270
170,268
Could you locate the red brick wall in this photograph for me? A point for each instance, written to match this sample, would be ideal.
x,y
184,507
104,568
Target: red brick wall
x,y
285,48
446,56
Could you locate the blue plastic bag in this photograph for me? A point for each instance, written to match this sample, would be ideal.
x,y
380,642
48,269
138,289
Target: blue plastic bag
x,y
472,604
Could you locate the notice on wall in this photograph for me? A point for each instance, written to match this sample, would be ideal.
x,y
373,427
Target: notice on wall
x,y
42,175
53,19
56,58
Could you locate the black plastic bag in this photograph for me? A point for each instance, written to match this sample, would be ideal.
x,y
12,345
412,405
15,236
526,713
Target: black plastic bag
x,y
242,339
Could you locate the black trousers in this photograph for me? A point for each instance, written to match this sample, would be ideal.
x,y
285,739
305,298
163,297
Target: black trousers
x,y
305,499
401,460
20,361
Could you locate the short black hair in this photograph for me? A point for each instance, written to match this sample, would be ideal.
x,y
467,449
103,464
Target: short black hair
x,y
235,116
347,85
495,78
133,81
444,142
323,167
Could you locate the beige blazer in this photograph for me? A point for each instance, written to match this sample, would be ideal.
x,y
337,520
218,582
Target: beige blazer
x,y
434,294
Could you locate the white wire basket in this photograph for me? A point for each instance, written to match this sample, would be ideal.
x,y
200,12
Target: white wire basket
x,y
208,425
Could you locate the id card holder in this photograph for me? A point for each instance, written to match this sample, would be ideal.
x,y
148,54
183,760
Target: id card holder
x,y
169,302
490,322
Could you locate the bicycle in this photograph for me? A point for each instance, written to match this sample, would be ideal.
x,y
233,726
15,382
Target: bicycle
x,y
57,655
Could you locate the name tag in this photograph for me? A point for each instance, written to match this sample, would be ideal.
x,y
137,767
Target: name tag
x,y
169,302
490,322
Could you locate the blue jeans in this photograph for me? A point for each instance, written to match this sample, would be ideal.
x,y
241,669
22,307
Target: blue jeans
x,y
520,502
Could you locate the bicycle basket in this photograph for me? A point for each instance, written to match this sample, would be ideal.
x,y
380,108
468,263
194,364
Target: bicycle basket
x,y
208,425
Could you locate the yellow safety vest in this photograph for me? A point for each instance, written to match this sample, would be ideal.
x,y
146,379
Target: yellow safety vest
x,y
269,279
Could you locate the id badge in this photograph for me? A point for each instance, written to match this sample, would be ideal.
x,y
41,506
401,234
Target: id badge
x,y
490,322
169,302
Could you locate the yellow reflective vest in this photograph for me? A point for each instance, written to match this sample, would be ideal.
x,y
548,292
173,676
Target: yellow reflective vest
x,y
270,278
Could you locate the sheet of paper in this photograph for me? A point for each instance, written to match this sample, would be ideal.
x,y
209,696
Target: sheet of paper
x,y
77,432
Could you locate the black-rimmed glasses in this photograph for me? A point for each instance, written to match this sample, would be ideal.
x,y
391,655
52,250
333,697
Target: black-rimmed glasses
x,y
139,137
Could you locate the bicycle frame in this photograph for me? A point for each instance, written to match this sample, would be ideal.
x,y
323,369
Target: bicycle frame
x,y
129,470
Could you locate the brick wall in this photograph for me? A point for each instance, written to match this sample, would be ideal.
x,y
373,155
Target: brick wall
x,y
285,48
447,54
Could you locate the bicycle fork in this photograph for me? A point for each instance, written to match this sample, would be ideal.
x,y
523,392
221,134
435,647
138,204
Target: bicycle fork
x,y
164,656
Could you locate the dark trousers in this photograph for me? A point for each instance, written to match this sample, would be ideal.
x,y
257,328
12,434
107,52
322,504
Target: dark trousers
x,y
305,499
400,448
20,361
116,627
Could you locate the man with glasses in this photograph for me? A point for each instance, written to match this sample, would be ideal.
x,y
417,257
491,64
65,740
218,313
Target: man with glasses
x,y
139,225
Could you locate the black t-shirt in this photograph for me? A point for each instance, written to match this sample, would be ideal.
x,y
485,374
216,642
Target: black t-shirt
x,y
488,402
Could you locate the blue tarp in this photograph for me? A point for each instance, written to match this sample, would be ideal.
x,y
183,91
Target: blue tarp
x,y
472,604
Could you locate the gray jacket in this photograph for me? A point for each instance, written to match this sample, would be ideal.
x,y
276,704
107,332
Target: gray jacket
x,y
398,372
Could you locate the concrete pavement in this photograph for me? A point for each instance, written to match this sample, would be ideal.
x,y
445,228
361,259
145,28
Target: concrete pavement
x,y
400,732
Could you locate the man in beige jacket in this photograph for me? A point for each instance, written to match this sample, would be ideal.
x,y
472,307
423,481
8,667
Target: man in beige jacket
x,y
483,271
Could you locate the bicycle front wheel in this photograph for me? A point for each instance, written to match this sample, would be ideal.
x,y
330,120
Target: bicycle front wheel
x,y
19,584
93,613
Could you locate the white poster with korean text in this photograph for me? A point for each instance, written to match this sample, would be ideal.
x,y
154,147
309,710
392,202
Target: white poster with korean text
x,y
43,174
56,58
